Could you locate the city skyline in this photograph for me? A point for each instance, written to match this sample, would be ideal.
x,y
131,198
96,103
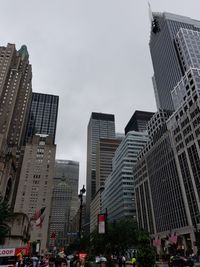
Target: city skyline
x,y
109,55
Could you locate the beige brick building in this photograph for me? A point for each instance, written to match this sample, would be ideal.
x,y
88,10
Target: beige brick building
x,y
35,185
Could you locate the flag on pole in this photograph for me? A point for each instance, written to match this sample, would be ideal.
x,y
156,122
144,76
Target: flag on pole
x,y
38,217
102,223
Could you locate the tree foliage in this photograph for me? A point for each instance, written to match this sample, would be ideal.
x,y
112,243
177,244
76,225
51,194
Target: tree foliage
x,y
145,254
120,236
6,216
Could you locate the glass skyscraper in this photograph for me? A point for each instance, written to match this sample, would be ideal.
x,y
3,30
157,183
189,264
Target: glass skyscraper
x,y
42,116
165,58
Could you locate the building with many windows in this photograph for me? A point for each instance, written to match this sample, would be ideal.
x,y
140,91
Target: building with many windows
x,y
138,121
167,65
43,116
64,200
35,186
100,126
60,214
104,155
118,197
167,174
15,97
159,200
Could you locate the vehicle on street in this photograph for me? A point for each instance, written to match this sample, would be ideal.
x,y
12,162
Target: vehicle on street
x,y
180,261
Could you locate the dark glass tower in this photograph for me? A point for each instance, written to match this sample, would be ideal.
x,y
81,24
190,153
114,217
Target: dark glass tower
x,y
166,62
138,121
42,116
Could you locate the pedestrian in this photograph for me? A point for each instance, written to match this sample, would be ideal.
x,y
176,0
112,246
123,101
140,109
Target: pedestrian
x,y
103,262
133,261
61,262
120,261
52,262
124,261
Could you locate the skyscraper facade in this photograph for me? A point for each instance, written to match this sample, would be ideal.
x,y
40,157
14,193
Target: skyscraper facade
x,y
43,115
59,215
15,96
64,199
104,155
100,126
167,172
157,184
138,121
35,186
166,61
118,197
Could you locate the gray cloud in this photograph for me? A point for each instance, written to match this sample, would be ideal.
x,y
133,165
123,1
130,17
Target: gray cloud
x,y
93,54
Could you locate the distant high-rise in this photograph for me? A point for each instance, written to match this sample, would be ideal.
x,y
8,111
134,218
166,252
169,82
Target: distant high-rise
x,y
138,121
64,198
43,115
118,197
166,61
100,126
104,155
60,213
105,152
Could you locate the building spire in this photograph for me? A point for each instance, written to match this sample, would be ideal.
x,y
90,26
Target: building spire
x,y
150,12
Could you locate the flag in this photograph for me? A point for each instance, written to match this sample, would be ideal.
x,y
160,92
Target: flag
x,y
156,242
40,220
53,235
102,223
38,217
173,238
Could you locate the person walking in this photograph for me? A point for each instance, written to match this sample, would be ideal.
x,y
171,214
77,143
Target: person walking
x,y
133,261
120,261
124,261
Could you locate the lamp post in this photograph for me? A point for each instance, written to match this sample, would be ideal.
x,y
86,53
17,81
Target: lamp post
x,y
82,191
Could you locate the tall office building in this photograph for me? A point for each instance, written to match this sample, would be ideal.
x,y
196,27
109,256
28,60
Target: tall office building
x,y
157,184
15,95
104,155
60,213
66,176
35,186
100,126
167,172
118,197
165,58
138,121
43,115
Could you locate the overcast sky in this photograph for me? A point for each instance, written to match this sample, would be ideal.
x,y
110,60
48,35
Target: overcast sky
x,y
94,54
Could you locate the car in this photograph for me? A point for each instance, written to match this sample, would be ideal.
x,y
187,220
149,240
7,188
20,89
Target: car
x,y
180,261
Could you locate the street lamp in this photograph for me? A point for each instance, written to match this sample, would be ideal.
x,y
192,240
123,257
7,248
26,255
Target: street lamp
x,y
82,191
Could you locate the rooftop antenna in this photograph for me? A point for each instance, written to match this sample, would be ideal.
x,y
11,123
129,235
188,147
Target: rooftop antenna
x,y
150,13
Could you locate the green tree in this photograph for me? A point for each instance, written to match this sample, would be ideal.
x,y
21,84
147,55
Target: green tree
x,y
6,216
145,254
120,236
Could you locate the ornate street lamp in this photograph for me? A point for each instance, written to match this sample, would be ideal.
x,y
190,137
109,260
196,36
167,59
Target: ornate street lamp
x,y
82,192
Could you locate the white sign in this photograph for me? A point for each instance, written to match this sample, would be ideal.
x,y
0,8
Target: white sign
x,y
7,252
